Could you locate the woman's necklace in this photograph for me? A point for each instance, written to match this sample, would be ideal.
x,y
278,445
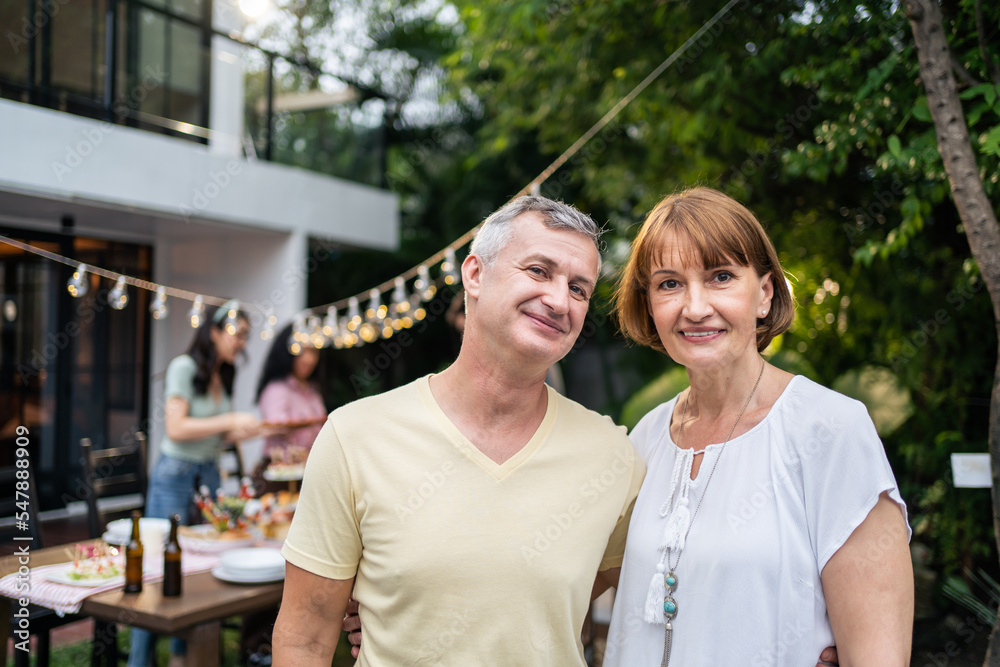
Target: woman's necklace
x,y
668,583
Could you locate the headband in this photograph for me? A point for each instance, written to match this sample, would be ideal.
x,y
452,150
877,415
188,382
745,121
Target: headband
x,y
223,311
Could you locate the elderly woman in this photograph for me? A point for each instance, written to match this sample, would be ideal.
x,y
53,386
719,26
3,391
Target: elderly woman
x,y
769,525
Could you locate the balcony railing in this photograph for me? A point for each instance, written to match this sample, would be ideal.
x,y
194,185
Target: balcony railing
x,y
162,70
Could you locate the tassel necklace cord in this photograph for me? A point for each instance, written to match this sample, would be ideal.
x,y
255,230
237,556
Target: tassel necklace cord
x,y
670,578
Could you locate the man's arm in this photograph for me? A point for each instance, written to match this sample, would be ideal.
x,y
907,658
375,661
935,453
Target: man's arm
x,y
308,626
868,585
605,579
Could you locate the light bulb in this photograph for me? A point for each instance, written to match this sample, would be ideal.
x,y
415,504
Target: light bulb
x,y
330,325
159,306
423,286
300,334
78,283
375,311
400,301
118,296
449,267
368,332
232,324
353,314
316,337
197,312
267,331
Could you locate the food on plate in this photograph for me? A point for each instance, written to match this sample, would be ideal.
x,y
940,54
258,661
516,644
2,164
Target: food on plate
x,y
287,464
225,513
94,562
274,514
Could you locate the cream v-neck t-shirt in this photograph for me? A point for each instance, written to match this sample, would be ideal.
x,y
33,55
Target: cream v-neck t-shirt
x,y
460,560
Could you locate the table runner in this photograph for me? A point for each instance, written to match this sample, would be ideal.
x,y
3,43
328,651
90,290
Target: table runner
x,y
65,599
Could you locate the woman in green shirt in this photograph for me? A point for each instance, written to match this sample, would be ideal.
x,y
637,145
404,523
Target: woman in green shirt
x,y
199,417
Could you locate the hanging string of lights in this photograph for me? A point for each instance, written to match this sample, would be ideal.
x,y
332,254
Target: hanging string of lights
x,y
323,326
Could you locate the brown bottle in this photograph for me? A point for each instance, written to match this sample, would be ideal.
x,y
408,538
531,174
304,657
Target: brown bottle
x,y
133,558
172,562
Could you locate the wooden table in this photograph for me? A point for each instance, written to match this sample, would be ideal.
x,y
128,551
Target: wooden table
x,y
195,616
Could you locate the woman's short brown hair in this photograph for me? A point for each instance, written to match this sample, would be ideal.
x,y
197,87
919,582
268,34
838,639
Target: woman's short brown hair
x,y
722,231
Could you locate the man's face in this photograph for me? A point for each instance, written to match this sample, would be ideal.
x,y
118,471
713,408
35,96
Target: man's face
x,y
533,299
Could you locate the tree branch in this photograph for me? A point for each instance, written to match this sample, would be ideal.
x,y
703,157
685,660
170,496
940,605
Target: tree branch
x,y
992,69
963,73
974,207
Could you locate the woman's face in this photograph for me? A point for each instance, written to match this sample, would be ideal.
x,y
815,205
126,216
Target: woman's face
x,y
305,363
706,317
229,345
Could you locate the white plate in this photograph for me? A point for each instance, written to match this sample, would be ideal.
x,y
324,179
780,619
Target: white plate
x,y
147,526
211,543
252,561
290,474
115,538
62,577
239,578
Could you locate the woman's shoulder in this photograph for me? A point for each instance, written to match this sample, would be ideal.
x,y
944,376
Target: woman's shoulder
x,y
803,397
809,415
647,432
182,361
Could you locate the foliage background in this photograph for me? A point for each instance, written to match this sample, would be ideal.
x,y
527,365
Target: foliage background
x,y
811,113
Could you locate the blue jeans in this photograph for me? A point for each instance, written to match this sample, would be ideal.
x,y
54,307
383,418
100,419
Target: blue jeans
x,y
171,488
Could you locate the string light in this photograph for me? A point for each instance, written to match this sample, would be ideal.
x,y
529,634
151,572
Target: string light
x,y
299,335
316,337
449,267
197,312
353,314
375,312
159,306
78,284
232,323
270,320
400,301
423,285
118,296
331,327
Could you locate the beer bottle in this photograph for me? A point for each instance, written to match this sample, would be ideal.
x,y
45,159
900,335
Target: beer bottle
x,y
172,562
133,558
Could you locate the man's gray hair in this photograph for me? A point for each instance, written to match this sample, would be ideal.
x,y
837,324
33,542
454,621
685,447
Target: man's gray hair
x,y
496,232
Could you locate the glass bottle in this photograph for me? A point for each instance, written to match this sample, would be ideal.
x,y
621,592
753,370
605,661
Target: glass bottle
x,y
133,558
172,561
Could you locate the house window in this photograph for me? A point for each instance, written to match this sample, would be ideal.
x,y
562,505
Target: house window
x,y
70,368
58,58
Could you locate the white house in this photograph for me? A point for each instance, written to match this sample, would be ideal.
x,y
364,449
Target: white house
x,y
132,154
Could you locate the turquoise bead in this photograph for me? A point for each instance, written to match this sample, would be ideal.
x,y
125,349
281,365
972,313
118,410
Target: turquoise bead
x,y
669,607
671,581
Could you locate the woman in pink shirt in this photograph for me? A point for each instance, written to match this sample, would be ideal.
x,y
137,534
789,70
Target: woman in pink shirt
x,y
288,395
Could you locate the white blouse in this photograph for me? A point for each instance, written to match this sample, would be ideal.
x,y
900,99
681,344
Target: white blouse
x,y
785,496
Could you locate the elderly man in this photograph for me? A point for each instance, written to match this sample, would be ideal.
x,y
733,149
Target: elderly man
x,y
470,511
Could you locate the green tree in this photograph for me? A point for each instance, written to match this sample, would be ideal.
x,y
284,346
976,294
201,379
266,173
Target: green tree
x,y
813,115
